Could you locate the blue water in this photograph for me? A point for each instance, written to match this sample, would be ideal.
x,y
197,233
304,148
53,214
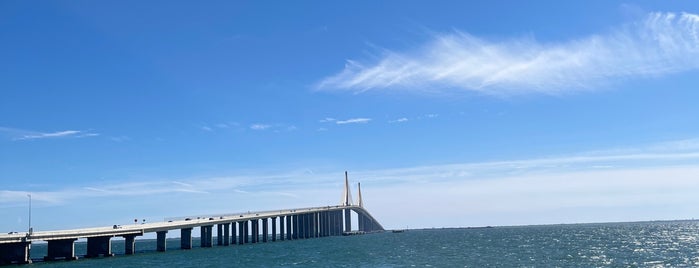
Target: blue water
x,y
649,244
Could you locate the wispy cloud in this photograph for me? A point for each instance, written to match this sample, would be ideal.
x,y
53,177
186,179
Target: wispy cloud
x,y
660,44
353,121
259,126
399,120
21,134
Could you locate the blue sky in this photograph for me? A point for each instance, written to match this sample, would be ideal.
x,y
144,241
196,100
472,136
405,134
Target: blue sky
x,y
449,113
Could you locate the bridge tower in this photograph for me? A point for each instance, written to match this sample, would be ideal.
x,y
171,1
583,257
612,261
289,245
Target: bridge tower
x,y
347,201
346,194
359,194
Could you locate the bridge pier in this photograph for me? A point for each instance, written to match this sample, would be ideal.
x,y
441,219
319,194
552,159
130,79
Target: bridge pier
x,y
206,238
315,224
15,253
274,229
281,227
219,234
288,227
302,226
348,220
161,243
130,244
227,234
297,228
241,232
234,236
246,229
186,238
61,249
99,246
265,229
254,225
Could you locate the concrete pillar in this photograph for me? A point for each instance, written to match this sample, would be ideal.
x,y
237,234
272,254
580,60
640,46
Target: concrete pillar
x,y
281,228
219,234
288,227
253,234
129,244
302,226
241,232
162,244
316,225
309,226
338,222
265,229
257,231
99,246
246,229
360,222
295,220
227,234
348,220
234,236
207,236
323,223
15,253
331,222
274,229
61,249
186,238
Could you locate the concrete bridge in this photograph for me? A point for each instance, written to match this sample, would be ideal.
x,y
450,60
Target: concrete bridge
x,y
251,227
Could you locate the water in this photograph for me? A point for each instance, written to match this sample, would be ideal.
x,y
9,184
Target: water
x,y
649,244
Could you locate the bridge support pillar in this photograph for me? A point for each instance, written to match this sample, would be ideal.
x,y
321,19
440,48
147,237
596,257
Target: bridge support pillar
x,y
307,225
302,226
338,221
227,234
288,227
324,217
130,244
315,224
274,229
207,236
186,238
15,253
332,218
246,229
61,249
360,222
348,220
241,232
297,229
99,246
254,225
265,229
234,237
219,234
161,243
281,227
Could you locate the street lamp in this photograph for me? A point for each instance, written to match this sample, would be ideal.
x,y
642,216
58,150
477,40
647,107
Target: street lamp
x,y
30,213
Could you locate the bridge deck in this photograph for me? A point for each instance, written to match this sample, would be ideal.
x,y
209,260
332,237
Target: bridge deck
x,y
140,229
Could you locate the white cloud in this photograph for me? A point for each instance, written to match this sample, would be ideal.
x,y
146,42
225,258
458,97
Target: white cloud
x,y
327,120
661,44
259,126
353,121
399,120
21,134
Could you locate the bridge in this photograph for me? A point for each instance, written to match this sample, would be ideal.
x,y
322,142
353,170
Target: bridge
x,y
231,229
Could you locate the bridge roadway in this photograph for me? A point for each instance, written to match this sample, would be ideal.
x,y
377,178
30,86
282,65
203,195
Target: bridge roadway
x,y
300,223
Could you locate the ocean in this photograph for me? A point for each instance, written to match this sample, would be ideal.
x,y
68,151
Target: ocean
x,y
640,244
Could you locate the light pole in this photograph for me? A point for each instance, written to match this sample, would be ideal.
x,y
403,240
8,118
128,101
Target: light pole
x,y
30,213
